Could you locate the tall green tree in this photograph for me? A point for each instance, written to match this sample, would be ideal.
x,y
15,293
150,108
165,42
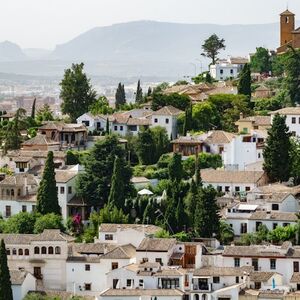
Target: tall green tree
x,y
33,109
76,92
45,113
47,199
5,283
100,106
295,161
187,125
146,147
149,92
292,72
212,46
175,168
94,183
261,61
107,126
207,219
161,141
191,202
120,96
244,85
118,183
139,93
277,151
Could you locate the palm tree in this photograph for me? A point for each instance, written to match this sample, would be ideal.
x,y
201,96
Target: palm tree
x,y
226,233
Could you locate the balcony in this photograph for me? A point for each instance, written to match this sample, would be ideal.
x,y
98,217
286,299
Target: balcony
x,y
202,287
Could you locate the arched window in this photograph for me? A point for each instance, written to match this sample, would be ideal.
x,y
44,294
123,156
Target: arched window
x,y
36,250
19,192
57,250
50,250
7,192
7,251
20,251
196,297
12,192
14,252
44,250
204,297
27,252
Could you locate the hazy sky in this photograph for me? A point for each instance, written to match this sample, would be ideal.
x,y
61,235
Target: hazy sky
x,y
45,23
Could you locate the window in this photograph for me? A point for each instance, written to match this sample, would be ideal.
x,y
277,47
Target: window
x,y
14,252
275,206
24,208
141,283
7,211
109,237
62,189
7,251
227,188
273,264
159,260
231,71
237,188
257,285
87,286
296,266
298,287
128,282
121,128
44,250
237,279
293,120
36,250
114,265
33,207
216,279
12,192
236,262
169,283
293,133
69,190
219,188
299,120
145,259
26,252
155,120
88,267
50,250
285,224
20,252
259,155
255,264
167,121
221,71
275,225
247,188
243,228
57,250
116,127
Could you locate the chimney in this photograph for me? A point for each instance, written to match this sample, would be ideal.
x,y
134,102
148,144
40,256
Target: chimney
x,y
241,115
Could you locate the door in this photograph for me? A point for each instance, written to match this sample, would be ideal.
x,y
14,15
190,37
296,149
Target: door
x,y
37,272
255,264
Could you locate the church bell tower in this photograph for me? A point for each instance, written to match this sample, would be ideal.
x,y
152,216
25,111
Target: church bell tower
x,y
287,26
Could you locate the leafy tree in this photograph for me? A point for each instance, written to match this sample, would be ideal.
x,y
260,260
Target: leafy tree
x,y
162,234
120,180
292,78
179,101
226,233
212,46
204,77
278,64
295,161
146,147
149,216
5,283
160,88
47,199
175,168
72,158
113,215
120,96
45,114
191,202
33,109
22,222
139,93
48,221
100,106
161,141
244,85
76,92
261,61
94,183
276,151
204,116
282,234
206,213
267,104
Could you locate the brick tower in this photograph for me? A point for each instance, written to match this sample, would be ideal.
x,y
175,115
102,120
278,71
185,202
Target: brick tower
x,y
287,26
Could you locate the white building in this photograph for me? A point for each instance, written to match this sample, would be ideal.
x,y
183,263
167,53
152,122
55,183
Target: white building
x,y
21,283
93,123
232,182
292,115
223,70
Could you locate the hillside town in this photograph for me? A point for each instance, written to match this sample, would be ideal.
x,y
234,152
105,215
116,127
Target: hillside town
x,y
187,191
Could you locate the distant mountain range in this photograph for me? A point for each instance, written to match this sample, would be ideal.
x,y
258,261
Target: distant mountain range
x,y
138,48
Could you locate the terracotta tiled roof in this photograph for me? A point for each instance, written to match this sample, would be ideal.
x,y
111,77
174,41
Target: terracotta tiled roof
x,y
222,271
257,120
121,252
287,13
189,140
168,111
219,137
287,111
148,229
156,245
35,154
40,139
92,248
141,292
62,127
276,216
19,180
63,176
261,276
224,176
295,278
139,121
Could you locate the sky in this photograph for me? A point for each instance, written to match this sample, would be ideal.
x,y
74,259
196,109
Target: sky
x,y
46,23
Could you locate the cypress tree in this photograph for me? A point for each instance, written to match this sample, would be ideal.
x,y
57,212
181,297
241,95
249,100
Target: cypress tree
x,y
206,218
120,96
33,109
244,85
277,151
187,125
47,199
117,190
198,179
107,126
146,147
139,93
191,201
149,92
5,283
180,216
175,168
